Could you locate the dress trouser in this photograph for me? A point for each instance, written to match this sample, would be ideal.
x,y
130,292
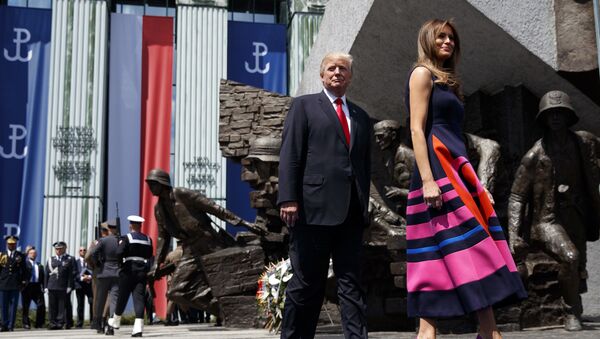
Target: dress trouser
x,y
33,292
57,304
9,300
311,247
81,293
68,311
104,288
131,282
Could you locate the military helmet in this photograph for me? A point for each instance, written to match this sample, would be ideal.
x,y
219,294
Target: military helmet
x,y
560,100
159,176
265,149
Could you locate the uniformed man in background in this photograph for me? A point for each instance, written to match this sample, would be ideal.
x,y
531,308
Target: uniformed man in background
x,y
13,277
106,260
135,249
59,277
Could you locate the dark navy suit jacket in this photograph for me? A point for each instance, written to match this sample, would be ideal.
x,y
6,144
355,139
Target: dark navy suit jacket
x,y
317,167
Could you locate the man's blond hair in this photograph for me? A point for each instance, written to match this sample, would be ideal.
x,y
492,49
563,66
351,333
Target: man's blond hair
x,y
333,56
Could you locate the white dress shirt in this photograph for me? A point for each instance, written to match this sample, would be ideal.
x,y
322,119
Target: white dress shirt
x,y
332,98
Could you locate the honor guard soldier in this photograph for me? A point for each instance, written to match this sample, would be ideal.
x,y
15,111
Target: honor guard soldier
x,y
107,262
135,249
13,277
60,277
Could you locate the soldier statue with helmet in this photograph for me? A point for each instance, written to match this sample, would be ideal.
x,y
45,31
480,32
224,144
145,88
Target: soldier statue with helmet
x,y
184,214
554,205
260,170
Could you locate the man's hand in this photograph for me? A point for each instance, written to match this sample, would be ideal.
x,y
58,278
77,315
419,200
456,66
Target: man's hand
x,y
68,290
289,213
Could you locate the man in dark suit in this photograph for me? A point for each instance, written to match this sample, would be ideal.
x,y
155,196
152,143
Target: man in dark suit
x,y
33,291
12,278
83,286
59,276
324,177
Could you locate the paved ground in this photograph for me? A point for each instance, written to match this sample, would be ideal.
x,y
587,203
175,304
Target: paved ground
x,y
202,331
591,302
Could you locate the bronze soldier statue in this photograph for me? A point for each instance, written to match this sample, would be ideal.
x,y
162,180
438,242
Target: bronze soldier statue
x,y
184,214
554,203
399,159
259,169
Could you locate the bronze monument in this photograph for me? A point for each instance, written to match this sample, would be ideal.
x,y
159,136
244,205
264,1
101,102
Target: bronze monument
x,y
184,214
398,160
554,205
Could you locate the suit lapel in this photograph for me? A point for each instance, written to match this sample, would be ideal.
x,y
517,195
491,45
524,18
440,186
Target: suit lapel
x,y
327,108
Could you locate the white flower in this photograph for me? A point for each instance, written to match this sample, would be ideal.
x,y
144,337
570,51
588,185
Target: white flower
x,y
271,296
274,280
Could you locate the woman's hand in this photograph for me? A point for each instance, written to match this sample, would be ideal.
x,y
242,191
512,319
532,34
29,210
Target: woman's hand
x,y
432,194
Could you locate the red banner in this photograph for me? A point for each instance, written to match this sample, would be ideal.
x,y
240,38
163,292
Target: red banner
x,y
157,81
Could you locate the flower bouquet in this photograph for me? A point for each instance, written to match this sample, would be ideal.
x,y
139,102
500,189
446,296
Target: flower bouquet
x,y
270,295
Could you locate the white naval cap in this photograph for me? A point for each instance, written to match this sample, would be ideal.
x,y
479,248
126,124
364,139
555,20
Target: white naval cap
x,y
135,219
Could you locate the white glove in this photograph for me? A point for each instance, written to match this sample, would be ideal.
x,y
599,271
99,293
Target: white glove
x,y
45,290
68,290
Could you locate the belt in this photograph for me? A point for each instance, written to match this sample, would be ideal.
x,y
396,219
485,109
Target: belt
x,y
135,259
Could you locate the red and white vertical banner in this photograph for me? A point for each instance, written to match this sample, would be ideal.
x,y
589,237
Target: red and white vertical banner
x,y
141,77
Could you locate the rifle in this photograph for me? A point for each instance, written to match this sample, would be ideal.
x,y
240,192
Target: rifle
x,y
98,227
162,271
118,221
158,274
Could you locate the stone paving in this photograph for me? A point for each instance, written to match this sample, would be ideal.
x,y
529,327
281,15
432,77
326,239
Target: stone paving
x,y
203,331
591,302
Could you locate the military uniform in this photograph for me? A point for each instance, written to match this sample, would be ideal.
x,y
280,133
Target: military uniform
x,y
13,276
135,249
105,257
60,275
